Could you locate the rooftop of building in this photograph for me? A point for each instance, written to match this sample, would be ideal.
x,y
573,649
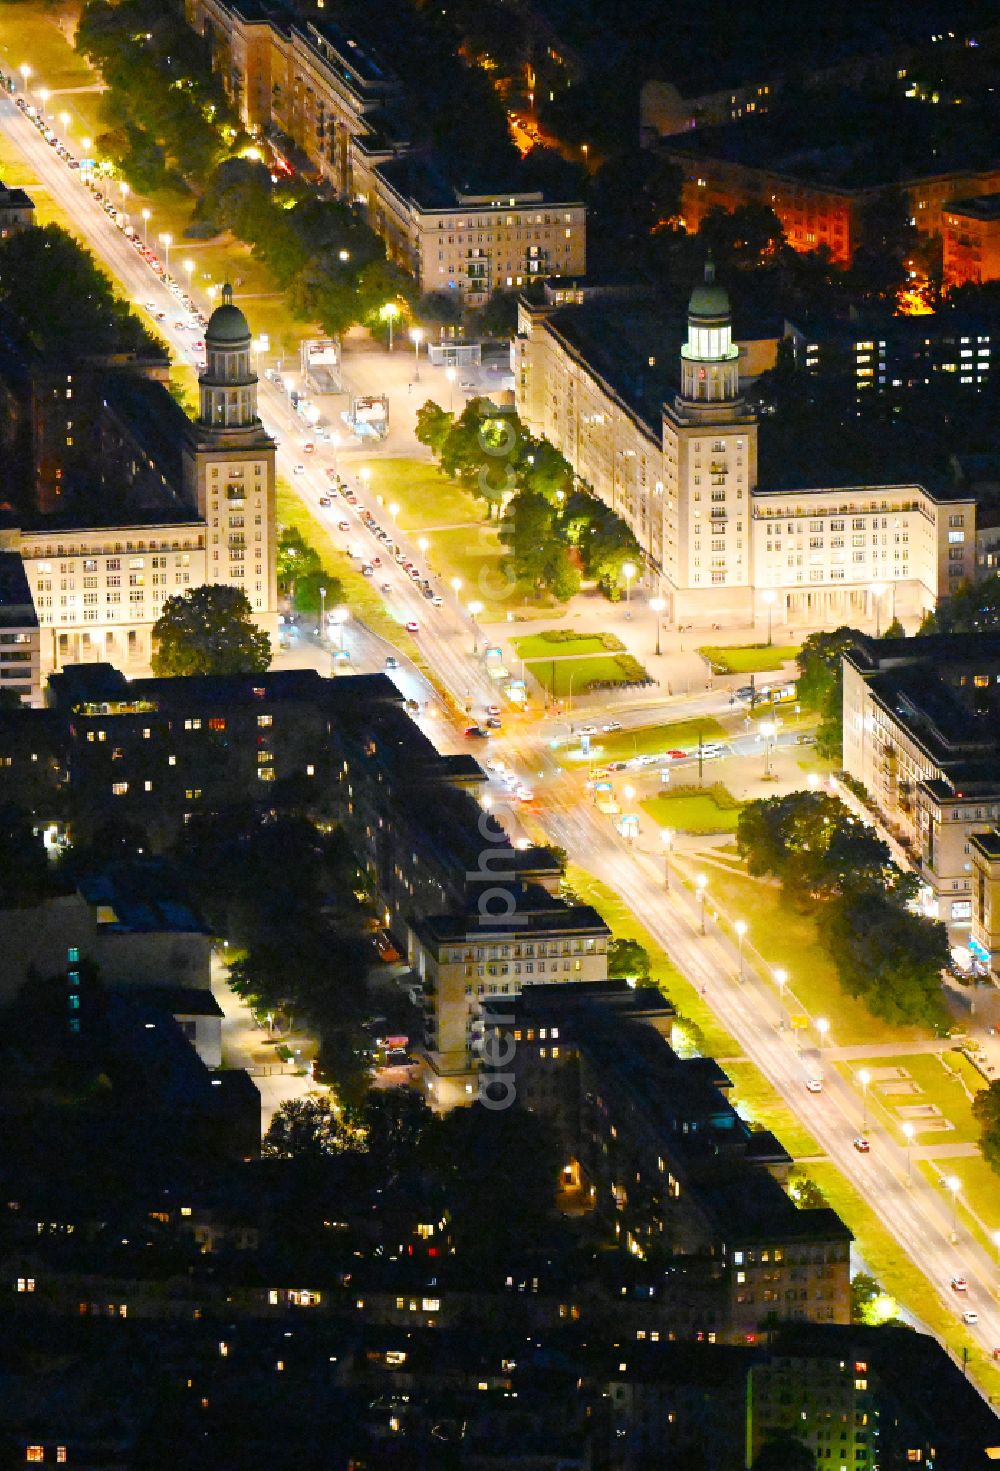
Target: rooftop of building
x,y
535,915
17,609
854,140
984,207
420,177
182,1000
141,898
945,691
11,197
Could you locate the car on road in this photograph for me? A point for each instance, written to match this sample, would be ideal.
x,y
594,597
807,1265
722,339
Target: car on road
x,y
386,587
343,525
493,709
376,561
436,600
412,626
587,730
611,727
814,1085
299,470
712,748
391,662
678,755
617,765
970,1316
476,732
524,794
324,500
959,1284
308,448
493,722
862,1145
367,570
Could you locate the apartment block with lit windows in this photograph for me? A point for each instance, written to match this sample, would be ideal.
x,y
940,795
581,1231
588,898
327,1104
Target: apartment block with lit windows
x,y
972,240
655,1147
469,242
334,99
892,357
813,210
919,735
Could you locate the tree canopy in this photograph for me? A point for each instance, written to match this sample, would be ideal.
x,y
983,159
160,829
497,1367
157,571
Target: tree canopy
x,y
986,1111
209,630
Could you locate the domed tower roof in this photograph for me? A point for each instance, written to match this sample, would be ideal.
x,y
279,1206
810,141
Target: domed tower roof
x,y
709,301
227,326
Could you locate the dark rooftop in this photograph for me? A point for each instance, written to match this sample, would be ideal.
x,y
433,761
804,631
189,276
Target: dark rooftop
x,y
982,207
154,420
17,610
555,918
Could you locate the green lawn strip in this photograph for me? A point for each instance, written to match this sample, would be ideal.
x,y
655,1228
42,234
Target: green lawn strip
x,y
757,1101
555,643
650,740
691,812
29,33
897,1273
786,717
965,1069
938,1086
474,553
363,601
576,675
426,497
980,1191
713,1039
783,936
749,658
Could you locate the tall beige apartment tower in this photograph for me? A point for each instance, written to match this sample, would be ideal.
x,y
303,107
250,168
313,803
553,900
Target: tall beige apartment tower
x,y
709,466
229,467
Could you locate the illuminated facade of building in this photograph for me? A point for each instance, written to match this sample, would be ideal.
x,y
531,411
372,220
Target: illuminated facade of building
x,y
972,240
720,548
340,107
209,514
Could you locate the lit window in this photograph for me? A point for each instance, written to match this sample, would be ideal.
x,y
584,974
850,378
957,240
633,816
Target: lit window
x,y
119,788
35,1453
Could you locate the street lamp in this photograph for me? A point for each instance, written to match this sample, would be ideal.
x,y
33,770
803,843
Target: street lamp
x,y
188,271
64,119
43,95
628,572
741,930
767,730
657,605
423,544
781,981
145,222
996,1243
954,1184
456,585
335,442
908,1132
876,591
321,630
416,337
475,608
864,1078
25,71
449,373
394,510
166,240
812,781
700,885
339,617
389,313
770,598
344,256
667,837
823,1028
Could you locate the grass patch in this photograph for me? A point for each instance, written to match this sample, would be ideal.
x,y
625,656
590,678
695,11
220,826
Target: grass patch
x,y
937,1084
712,1039
576,675
762,1106
426,497
781,935
557,643
645,740
897,1273
748,658
360,596
712,809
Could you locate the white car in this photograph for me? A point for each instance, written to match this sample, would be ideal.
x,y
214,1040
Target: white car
x,y
970,1316
814,1085
299,470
